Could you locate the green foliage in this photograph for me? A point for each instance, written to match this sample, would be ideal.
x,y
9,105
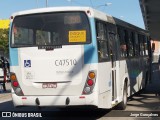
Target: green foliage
x,y
4,36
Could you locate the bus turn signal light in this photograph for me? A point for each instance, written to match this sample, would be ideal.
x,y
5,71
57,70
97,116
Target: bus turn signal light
x,y
13,77
92,75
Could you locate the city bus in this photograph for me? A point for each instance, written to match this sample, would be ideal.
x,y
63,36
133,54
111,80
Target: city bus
x,y
76,56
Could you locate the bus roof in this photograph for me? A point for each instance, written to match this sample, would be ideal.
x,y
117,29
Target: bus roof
x,y
94,13
51,9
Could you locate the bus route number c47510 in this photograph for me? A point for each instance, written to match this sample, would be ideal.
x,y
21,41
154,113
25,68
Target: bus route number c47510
x,y
66,62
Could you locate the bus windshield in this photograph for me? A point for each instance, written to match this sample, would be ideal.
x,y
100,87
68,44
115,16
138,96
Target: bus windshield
x,y
65,28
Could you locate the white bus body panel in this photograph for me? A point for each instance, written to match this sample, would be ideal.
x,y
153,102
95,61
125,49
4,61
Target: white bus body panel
x,y
50,67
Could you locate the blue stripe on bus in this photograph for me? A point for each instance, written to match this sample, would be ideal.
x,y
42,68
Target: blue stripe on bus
x,y
13,52
13,56
90,50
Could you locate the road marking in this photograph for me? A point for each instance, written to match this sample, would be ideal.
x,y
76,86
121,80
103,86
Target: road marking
x,y
6,100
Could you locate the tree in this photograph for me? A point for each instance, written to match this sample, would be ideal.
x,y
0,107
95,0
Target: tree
x,y
4,36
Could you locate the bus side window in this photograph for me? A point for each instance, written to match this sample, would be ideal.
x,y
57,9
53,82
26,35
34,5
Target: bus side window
x,y
130,44
123,46
133,41
140,39
103,53
126,37
145,45
136,45
112,39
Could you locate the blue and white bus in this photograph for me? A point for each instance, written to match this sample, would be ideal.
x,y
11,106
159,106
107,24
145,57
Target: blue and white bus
x,y
76,56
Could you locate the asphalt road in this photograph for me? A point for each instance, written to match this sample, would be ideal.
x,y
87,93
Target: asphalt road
x,y
146,102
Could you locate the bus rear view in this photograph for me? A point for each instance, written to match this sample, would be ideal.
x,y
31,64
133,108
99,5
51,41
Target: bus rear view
x,y
49,58
74,56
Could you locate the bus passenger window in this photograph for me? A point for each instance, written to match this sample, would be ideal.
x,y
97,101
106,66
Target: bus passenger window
x,y
102,49
140,38
136,45
130,44
126,37
133,42
102,42
145,45
123,46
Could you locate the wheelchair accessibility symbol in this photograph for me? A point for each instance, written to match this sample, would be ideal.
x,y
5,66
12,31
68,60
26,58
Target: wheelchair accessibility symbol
x,y
27,63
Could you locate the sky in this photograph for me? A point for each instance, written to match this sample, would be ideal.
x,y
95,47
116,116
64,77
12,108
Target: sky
x,y
127,10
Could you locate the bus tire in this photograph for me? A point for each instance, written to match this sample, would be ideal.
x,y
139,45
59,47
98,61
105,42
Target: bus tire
x,y
122,105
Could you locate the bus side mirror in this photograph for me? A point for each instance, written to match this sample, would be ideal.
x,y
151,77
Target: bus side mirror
x,y
153,46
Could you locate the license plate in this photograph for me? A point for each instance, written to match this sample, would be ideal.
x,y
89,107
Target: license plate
x,y
49,85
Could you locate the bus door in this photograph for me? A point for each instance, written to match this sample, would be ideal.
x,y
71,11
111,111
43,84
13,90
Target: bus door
x,y
113,56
